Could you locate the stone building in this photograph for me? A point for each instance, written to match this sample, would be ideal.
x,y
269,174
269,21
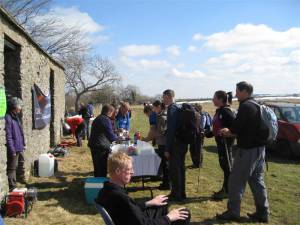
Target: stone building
x,y
24,63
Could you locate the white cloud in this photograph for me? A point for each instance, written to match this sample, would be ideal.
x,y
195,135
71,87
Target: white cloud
x,y
250,37
193,74
257,53
140,50
295,56
198,37
173,50
144,64
73,18
192,48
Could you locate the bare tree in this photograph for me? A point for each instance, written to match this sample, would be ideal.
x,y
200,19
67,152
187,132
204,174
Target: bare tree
x,y
130,93
25,10
49,31
89,74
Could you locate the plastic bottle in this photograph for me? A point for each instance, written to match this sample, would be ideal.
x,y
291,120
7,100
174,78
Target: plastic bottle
x,y
137,136
46,165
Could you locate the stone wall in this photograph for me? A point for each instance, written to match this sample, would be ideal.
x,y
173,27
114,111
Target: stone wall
x,y
35,67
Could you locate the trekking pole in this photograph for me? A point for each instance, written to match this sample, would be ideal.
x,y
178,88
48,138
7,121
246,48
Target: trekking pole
x,y
227,154
198,185
201,146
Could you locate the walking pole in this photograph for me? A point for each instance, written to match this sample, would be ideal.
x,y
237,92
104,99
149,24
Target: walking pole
x,y
227,154
201,146
198,185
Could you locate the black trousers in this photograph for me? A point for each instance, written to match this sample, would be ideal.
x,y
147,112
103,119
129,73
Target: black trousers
x,y
196,150
15,169
86,133
177,169
78,133
160,211
99,157
163,165
223,159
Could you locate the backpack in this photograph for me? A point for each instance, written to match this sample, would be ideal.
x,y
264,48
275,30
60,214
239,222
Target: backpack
x,y
59,151
187,128
89,111
162,123
208,125
268,127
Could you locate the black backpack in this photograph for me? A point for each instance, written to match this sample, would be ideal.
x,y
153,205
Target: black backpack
x,y
187,128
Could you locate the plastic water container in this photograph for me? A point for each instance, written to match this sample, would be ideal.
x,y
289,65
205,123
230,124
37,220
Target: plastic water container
x,y
92,187
46,165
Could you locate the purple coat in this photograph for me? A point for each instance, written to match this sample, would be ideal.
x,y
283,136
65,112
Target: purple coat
x,y
14,134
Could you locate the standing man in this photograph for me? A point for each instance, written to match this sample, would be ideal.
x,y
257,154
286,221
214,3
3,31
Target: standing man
x,y
102,136
175,150
249,160
15,144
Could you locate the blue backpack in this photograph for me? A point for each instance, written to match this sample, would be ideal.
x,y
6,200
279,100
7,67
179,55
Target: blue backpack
x,y
208,125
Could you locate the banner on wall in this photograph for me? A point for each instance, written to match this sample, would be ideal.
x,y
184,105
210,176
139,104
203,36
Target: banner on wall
x,y
3,105
41,108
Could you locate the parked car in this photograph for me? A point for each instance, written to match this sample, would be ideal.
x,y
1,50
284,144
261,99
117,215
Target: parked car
x,y
288,138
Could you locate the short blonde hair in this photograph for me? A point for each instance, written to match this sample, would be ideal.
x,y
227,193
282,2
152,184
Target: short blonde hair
x,y
117,160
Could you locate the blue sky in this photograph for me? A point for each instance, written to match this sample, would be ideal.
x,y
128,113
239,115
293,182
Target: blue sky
x,y
194,47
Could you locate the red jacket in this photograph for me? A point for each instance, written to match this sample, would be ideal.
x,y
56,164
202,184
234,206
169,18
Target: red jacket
x,y
74,122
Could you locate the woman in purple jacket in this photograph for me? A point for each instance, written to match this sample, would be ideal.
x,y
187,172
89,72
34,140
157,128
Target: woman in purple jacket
x,y
15,143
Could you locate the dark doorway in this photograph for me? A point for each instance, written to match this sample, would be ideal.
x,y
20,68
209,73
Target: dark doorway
x,y
52,133
12,62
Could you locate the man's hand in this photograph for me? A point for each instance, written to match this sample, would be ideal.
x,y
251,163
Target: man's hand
x,y
167,155
178,214
158,201
225,132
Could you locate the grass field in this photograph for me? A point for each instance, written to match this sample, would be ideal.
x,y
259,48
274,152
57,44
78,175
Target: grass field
x,y
61,198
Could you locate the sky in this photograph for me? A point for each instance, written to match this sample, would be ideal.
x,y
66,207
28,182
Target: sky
x,y
194,47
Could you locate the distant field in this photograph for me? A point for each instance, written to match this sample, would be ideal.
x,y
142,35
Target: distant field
x,y
61,198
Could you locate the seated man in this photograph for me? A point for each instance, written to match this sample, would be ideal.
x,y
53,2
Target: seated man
x,y
124,210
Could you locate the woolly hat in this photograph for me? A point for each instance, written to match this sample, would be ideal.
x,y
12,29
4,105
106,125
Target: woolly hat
x,y
15,102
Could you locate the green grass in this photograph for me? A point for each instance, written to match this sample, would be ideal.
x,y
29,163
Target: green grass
x,y
61,198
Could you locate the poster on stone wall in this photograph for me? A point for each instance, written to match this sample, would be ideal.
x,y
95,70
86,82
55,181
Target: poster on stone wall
x,y
2,102
41,108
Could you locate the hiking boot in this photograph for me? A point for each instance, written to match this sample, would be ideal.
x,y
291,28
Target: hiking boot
x,y
220,195
259,217
228,215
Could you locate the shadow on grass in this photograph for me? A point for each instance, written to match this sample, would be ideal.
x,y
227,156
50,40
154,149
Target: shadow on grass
x,y
75,174
276,157
211,148
271,156
215,221
70,196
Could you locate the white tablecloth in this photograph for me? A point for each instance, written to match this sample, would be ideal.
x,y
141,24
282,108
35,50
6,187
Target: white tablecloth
x,y
146,165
